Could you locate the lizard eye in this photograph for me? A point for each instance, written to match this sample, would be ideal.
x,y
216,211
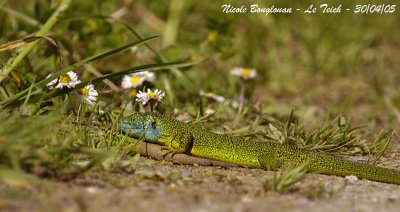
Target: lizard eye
x,y
154,125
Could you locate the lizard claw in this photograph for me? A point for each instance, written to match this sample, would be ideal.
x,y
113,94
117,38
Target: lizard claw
x,y
169,151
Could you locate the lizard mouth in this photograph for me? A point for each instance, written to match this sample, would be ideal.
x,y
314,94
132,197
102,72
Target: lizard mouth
x,y
138,125
131,127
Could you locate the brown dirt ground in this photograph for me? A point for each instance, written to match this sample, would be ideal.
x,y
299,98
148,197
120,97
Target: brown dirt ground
x,y
162,186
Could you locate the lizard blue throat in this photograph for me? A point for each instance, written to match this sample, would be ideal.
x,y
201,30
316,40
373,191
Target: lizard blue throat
x,y
137,125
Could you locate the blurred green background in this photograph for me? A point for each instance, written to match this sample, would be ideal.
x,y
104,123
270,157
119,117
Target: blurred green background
x,y
320,65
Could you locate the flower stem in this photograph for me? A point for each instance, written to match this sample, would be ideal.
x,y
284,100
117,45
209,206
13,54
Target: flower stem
x,y
151,106
241,102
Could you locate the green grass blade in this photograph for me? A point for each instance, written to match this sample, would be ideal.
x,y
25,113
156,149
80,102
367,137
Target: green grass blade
x,y
42,32
148,67
22,16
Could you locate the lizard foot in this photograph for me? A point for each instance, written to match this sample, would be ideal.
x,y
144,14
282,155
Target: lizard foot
x,y
169,151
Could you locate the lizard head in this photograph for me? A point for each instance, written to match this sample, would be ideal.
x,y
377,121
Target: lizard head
x,y
146,125
157,128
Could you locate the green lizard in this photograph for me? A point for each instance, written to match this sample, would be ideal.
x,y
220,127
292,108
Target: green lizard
x,y
185,138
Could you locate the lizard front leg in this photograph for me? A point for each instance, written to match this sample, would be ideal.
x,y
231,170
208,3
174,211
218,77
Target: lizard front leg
x,y
179,143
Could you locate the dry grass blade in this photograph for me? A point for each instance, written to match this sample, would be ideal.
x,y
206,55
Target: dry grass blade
x,y
18,43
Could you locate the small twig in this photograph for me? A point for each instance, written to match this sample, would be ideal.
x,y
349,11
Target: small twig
x,y
241,100
97,73
149,17
119,13
241,103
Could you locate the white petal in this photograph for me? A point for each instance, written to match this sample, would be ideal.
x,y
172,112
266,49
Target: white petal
x,y
51,83
236,71
150,76
126,82
219,98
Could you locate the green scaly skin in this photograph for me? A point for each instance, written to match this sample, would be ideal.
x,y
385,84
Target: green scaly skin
x,y
185,138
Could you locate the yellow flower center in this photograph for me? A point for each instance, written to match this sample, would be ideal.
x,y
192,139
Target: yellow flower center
x,y
92,23
152,95
212,36
246,72
135,79
210,94
133,92
84,91
65,79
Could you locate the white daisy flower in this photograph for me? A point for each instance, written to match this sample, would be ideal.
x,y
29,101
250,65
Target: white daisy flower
x,y
136,79
244,73
89,94
212,96
144,97
52,83
68,80
149,76
132,81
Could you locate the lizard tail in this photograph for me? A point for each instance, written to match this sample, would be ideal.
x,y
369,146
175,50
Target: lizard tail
x,y
326,164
